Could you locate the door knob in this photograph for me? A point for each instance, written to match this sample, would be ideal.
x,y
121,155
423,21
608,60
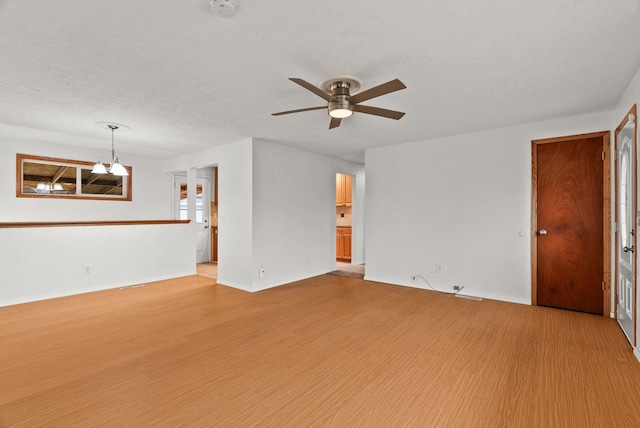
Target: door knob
x,y
542,232
627,249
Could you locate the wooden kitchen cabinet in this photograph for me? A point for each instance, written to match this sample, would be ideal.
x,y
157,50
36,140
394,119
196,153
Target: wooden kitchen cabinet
x,y
343,243
343,190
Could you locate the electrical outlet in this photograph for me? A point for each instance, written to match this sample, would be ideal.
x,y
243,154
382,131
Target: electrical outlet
x,y
86,269
413,277
260,272
456,288
439,268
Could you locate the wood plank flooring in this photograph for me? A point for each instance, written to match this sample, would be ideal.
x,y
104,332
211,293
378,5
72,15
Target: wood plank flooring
x,y
210,270
324,352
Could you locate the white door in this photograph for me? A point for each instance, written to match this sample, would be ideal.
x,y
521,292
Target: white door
x,y
203,233
203,198
625,233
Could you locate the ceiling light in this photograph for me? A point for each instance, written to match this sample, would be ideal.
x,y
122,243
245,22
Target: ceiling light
x,y
226,8
42,188
48,187
340,113
115,167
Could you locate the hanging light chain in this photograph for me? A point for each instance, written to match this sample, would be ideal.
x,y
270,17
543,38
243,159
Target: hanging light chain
x,y
113,150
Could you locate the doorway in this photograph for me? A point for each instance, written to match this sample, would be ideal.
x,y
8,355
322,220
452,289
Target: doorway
x,y
202,212
571,223
344,228
210,269
626,208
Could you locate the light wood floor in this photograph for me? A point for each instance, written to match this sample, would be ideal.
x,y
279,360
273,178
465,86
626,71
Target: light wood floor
x,y
210,270
327,351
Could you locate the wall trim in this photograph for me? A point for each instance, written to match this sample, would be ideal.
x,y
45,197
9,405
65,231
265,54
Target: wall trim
x,y
268,286
234,285
27,224
49,296
505,299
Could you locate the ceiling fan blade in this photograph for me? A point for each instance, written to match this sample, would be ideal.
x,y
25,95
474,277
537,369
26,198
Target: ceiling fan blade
x,y
377,111
376,91
319,92
298,111
335,122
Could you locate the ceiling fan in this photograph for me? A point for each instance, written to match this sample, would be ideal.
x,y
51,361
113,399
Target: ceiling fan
x,y
341,104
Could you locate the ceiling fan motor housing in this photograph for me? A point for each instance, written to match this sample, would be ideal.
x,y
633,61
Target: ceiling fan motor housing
x,y
340,97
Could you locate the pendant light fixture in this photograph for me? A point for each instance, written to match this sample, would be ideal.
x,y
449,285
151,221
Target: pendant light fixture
x,y
115,167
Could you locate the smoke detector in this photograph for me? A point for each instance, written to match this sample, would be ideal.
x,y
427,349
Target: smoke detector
x,y
226,8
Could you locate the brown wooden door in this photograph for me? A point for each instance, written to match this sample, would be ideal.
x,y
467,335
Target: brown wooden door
x,y
569,235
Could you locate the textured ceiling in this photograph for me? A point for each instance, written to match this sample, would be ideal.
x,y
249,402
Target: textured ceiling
x,y
185,79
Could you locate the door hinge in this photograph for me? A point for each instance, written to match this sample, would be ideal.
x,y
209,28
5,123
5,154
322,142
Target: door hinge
x,y
603,155
602,285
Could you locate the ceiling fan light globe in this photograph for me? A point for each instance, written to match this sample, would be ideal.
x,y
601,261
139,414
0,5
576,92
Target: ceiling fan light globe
x,y
340,113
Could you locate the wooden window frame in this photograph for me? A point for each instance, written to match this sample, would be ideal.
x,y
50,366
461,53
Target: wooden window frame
x,y
22,158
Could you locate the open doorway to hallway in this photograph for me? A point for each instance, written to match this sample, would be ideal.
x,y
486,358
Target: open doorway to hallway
x,y
344,228
205,217
209,268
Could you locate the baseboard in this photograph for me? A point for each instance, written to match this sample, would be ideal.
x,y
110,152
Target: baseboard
x,y
103,287
466,291
261,287
280,283
234,285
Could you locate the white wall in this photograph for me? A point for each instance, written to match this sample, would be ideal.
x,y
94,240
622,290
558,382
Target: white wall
x,y
276,209
46,262
630,97
462,202
235,189
294,213
39,263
